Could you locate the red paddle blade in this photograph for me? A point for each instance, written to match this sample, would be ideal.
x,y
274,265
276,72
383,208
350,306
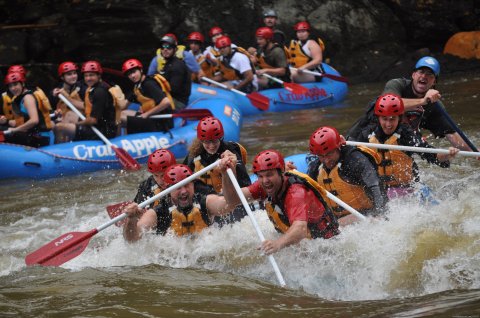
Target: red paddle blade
x,y
195,114
335,77
295,88
126,160
115,210
60,250
258,100
2,136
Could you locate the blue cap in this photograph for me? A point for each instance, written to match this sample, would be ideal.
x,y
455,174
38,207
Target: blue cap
x,y
430,62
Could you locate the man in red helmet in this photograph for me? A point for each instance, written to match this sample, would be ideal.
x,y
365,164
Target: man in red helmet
x,y
196,42
294,202
350,173
236,70
184,211
99,109
397,169
269,59
70,87
154,97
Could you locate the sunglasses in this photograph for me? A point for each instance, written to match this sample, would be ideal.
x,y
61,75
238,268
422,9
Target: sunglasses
x,y
167,46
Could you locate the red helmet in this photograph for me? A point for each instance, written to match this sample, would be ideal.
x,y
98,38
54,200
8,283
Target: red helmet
x,y
66,67
210,128
268,159
131,64
173,36
160,160
14,77
196,36
222,42
264,32
17,69
214,31
389,105
304,25
324,140
176,173
92,66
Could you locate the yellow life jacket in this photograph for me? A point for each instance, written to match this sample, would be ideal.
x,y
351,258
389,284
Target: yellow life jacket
x,y
214,177
192,222
228,73
396,167
44,106
353,195
295,54
7,106
326,227
161,60
73,95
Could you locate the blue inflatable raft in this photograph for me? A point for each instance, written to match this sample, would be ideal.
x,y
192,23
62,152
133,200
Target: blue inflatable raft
x,y
320,94
88,156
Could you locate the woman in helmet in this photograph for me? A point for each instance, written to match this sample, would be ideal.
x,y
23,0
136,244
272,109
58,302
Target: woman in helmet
x,y
99,109
31,124
397,169
153,95
293,201
304,54
207,148
348,172
72,89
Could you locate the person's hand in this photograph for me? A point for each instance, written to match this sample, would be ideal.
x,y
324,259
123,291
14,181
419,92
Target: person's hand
x,y
452,152
260,72
252,51
12,123
289,165
269,247
144,115
432,96
133,211
56,91
228,160
3,120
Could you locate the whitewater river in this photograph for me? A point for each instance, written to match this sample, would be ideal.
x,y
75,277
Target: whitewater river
x,y
422,261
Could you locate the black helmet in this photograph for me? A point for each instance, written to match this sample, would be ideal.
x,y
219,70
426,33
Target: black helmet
x,y
270,13
169,40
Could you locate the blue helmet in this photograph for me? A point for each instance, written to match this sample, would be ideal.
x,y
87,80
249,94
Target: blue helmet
x,y
430,62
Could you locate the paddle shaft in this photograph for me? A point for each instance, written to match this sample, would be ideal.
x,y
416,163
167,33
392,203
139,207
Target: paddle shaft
x,y
80,115
255,224
273,78
412,149
457,129
208,80
331,76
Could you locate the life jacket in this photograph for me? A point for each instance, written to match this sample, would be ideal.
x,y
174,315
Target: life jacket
x,y
326,227
7,106
147,189
208,69
43,109
228,72
148,103
118,99
263,61
183,223
297,57
352,194
396,167
161,60
74,94
214,177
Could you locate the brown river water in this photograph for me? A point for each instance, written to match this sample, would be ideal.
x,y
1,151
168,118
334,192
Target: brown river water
x,y
422,261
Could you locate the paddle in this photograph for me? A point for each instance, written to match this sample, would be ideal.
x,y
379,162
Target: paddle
x,y
258,100
70,245
255,224
331,76
292,87
2,135
195,114
457,129
412,149
124,157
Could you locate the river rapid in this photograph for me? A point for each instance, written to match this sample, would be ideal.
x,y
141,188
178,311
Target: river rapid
x,y
423,261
